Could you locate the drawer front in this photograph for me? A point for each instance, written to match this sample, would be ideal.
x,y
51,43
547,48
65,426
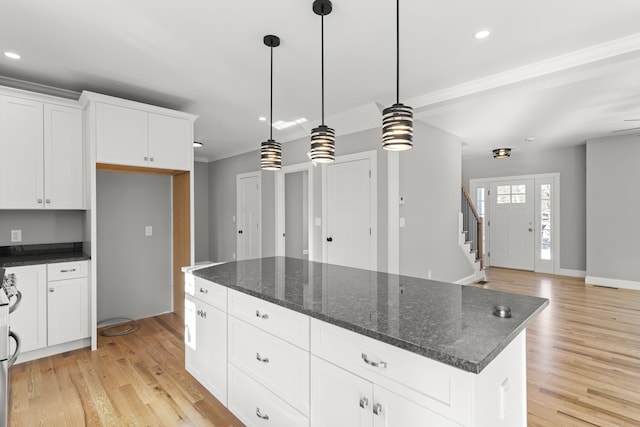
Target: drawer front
x,y
278,365
206,291
434,385
287,324
255,405
66,270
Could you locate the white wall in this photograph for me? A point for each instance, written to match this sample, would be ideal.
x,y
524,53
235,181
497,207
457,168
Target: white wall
x,y
42,226
613,211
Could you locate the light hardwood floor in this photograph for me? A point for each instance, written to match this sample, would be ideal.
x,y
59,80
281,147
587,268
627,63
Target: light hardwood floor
x,y
583,367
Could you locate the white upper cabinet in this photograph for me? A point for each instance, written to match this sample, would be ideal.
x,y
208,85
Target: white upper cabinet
x,y
129,133
41,155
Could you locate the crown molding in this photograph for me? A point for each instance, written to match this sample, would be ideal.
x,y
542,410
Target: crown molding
x,y
38,88
556,64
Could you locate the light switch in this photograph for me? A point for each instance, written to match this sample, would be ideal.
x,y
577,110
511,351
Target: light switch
x,y
16,235
148,230
401,222
318,222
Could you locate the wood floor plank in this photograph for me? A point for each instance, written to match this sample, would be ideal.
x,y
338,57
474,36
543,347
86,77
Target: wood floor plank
x,y
583,367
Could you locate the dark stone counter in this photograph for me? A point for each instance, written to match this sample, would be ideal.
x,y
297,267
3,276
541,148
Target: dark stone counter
x,y
20,255
450,323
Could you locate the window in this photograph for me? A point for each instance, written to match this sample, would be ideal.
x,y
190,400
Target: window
x,y
545,221
512,194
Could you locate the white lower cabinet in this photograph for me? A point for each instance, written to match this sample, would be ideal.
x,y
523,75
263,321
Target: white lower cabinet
x,y
29,320
339,397
205,338
68,310
256,405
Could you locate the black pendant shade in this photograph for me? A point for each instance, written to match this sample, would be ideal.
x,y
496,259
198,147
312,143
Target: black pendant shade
x,y
397,120
270,150
323,138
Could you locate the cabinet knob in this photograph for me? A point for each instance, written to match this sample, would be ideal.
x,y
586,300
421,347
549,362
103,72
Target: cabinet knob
x,y
146,158
261,415
151,159
262,316
39,200
204,291
48,200
52,290
364,402
380,364
262,359
377,409
329,239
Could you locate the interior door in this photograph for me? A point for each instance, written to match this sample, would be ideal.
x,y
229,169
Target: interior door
x,y
349,214
512,224
248,216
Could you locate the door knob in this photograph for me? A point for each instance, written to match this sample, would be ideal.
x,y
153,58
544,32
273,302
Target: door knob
x,y
329,239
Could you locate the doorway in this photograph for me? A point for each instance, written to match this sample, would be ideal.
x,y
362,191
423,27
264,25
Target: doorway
x,y
521,221
248,216
349,200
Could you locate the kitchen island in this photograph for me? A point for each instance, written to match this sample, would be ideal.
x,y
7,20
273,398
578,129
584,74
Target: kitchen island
x,y
285,341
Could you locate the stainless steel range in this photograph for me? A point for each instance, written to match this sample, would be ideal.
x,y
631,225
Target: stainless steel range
x,y
9,301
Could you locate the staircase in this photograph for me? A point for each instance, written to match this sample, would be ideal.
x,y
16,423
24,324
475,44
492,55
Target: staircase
x,y
470,238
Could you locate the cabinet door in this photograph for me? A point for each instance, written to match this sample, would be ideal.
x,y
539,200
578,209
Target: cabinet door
x,y
205,338
170,142
68,310
391,410
338,397
63,157
21,154
30,318
121,135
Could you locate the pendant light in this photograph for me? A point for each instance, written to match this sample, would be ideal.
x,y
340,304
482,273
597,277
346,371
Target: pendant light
x,y
323,138
397,120
270,150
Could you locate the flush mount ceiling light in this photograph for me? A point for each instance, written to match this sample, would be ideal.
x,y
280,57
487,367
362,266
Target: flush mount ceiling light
x,y
12,55
197,144
502,153
323,138
270,150
482,34
397,120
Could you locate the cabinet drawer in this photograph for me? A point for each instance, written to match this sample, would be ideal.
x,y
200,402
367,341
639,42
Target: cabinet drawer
x,y
255,405
281,367
206,291
66,270
434,385
282,322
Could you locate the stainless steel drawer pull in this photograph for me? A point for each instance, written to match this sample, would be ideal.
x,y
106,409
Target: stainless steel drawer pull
x,y
262,359
262,316
377,409
202,314
381,365
70,270
364,402
261,415
204,291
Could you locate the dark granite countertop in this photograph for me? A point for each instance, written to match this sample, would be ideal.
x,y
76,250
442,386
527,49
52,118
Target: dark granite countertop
x,y
20,255
453,324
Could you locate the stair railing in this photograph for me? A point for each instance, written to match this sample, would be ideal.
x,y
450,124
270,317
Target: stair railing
x,y
472,225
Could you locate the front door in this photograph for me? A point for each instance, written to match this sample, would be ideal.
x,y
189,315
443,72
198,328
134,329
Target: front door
x,y
512,224
248,216
349,214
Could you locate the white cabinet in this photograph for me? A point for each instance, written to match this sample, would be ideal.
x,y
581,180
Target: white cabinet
x,y
341,398
205,338
41,155
205,334
67,302
135,137
29,320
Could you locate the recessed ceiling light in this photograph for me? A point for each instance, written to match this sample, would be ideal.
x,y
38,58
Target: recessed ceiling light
x,y
482,34
262,119
530,139
12,55
197,144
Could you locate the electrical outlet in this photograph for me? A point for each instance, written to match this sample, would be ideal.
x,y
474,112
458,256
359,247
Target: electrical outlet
x,y
16,235
148,230
402,200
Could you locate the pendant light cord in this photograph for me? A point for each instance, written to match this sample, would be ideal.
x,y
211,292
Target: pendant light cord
x,y
271,99
397,51
322,59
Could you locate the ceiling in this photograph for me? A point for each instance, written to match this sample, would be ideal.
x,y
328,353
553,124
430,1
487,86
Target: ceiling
x,y
557,71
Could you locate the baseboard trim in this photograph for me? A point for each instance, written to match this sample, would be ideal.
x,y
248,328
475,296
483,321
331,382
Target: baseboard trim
x,y
612,283
53,350
572,273
478,275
